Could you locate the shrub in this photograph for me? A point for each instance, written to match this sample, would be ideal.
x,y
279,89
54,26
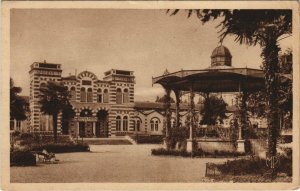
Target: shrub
x,y
255,166
61,147
197,153
152,139
22,158
243,166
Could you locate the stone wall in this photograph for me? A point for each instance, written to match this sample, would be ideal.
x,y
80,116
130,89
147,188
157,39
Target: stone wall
x,y
211,145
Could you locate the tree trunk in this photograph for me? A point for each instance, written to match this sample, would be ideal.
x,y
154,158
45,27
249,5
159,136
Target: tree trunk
x,y
55,127
270,56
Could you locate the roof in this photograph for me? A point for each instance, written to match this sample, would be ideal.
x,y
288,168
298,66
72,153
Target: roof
x,y
159,105
221,51
227,79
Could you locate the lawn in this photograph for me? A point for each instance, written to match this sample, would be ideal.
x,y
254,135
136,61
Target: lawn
x,y
115,163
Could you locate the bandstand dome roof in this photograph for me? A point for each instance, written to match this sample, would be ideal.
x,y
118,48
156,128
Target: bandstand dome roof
x,y
219,77
221,56
221,51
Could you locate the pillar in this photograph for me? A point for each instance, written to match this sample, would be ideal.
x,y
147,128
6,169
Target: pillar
x,y
177,96
94,129
242,116
167,106
189,146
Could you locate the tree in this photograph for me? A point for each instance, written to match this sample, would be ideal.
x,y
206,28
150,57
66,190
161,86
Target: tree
x,y
54,98
256,102
214,109
163,99
18,105
252,27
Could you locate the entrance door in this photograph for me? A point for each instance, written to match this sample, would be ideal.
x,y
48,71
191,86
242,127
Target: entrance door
x,y
81,129
102,124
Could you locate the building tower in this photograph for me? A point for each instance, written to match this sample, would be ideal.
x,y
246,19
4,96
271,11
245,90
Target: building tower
x,y
40,73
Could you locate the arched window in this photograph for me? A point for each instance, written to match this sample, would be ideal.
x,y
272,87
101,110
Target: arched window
x,y
73,93
105,96
99,96
118,123
125,123
126,96
152,125
138,125
119,96
42,85
156,125
82,95
90,95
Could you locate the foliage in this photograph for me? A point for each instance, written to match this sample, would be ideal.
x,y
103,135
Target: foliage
x,y
18,105
256,166
256,102
54,99
197,153
214,109
177,135
148,139
22,158
163,99
61,147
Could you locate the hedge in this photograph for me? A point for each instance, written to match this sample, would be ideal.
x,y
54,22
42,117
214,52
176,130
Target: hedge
x,y
22,158
148,139
197,153
61,147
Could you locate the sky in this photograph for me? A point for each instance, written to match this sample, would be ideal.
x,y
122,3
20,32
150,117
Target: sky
x,y
144,41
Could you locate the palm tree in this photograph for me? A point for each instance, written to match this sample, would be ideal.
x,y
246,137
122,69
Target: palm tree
x,y
252,27
54,98
18,105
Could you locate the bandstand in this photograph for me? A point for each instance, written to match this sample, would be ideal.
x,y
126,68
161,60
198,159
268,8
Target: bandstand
x,y
219,77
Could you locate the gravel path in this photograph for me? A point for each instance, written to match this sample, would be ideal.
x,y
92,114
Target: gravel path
x,y
115,163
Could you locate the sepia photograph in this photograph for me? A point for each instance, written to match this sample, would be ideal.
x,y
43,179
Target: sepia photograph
x,y
164,94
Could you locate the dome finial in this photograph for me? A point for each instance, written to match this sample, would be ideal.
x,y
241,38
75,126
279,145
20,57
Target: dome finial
x,y
166,72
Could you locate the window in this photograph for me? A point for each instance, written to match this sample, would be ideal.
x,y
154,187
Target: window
x,y
12,124
134,125
18,125
125,123
73,93
138,125
99,96
105,96
82,95
119,96
152,125
90,95
126,96
86,82
118,123
156,125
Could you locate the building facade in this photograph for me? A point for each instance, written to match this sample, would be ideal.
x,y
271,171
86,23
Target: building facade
x,y
103,107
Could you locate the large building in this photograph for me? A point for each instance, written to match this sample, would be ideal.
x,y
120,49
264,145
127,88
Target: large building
x,y
103,107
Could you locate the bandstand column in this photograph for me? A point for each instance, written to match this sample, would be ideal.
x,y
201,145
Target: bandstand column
x,y
189,146
167,115
242,116
177,96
